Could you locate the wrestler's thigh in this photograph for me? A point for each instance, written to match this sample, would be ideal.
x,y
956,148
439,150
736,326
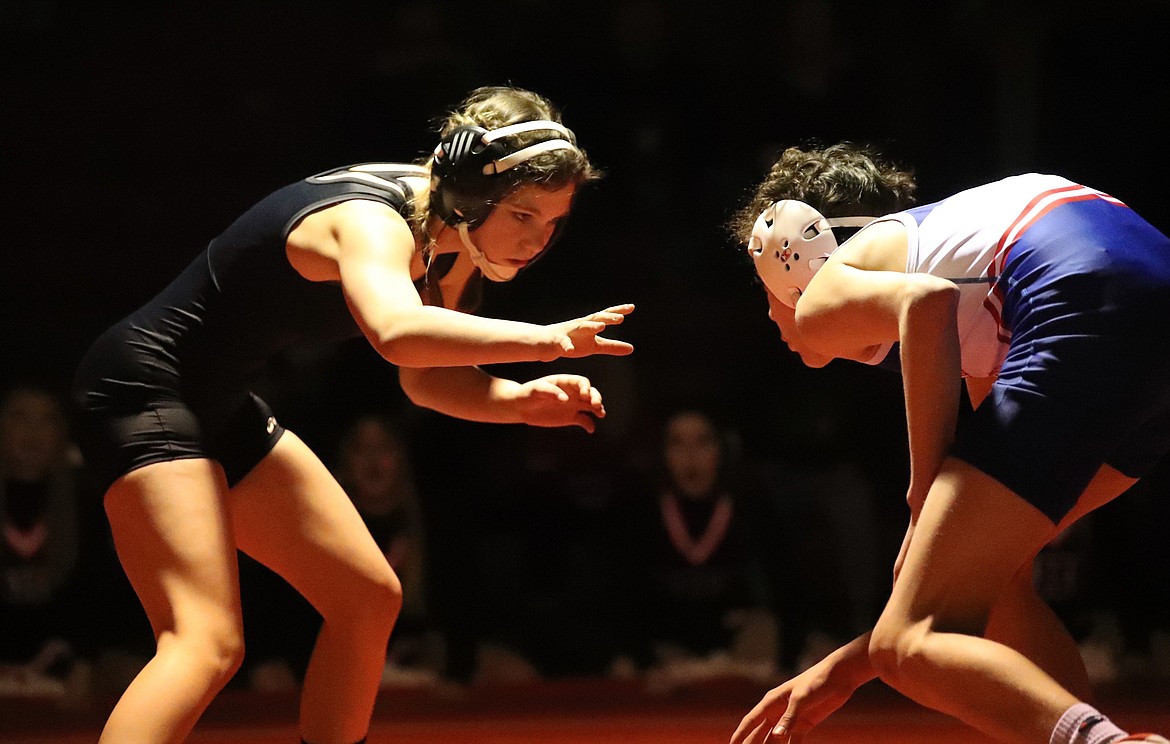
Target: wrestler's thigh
x,y
174,539
290,514
972,536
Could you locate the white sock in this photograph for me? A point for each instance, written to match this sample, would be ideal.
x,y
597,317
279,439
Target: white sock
x,y
1084,724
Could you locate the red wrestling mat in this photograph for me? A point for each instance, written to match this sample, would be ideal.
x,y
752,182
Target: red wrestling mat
x,y
565,712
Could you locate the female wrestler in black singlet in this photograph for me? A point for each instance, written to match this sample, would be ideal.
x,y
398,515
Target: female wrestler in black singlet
x,y
197,466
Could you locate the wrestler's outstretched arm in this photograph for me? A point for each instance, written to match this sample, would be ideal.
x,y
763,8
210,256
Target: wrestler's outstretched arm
x,y
371,247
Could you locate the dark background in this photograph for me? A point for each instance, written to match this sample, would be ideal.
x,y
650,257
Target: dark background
x,y
134,132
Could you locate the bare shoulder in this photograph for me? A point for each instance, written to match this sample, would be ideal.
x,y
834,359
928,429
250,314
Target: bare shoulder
x,y
853,302
317,228
315,244
881,246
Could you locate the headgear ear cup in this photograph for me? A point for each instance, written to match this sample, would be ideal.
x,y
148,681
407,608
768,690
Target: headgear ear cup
x,y
459,192
467,162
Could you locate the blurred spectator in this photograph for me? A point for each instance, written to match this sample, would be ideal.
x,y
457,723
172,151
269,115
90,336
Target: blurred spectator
x,y
701,588
823,525
372,463
374,467
538,567
570,487
40,546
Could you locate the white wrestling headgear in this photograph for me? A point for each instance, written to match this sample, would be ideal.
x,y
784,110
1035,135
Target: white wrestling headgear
x,y
790,242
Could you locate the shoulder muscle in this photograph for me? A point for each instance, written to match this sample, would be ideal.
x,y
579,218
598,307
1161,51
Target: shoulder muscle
x,y
315,246
855,300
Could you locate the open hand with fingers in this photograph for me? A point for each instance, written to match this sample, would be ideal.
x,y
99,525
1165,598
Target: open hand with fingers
x,y
559,400
788,712
581,337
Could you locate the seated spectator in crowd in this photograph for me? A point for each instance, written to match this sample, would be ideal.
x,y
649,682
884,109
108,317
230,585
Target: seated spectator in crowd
x,y
40,543
373,465
547,551
703,590
823,528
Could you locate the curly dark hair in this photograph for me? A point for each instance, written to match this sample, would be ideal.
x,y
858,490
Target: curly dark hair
x,y
841,180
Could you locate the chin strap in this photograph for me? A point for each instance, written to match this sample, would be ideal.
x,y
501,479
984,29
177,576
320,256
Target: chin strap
x,y
492,271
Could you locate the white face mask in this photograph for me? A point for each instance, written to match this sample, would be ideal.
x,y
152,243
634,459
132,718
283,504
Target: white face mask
x,y
790,242
493,271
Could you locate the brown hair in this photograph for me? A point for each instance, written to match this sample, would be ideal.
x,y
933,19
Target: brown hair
x,y
492,107
842,180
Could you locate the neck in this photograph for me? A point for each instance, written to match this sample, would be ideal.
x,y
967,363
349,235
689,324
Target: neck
x,y
443,238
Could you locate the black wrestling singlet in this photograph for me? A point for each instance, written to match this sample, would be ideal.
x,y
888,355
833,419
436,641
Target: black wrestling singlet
x,y
172,379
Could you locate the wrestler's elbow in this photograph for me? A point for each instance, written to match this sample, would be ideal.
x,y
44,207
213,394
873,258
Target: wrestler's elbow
x,y
412,380
402,338
929,297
